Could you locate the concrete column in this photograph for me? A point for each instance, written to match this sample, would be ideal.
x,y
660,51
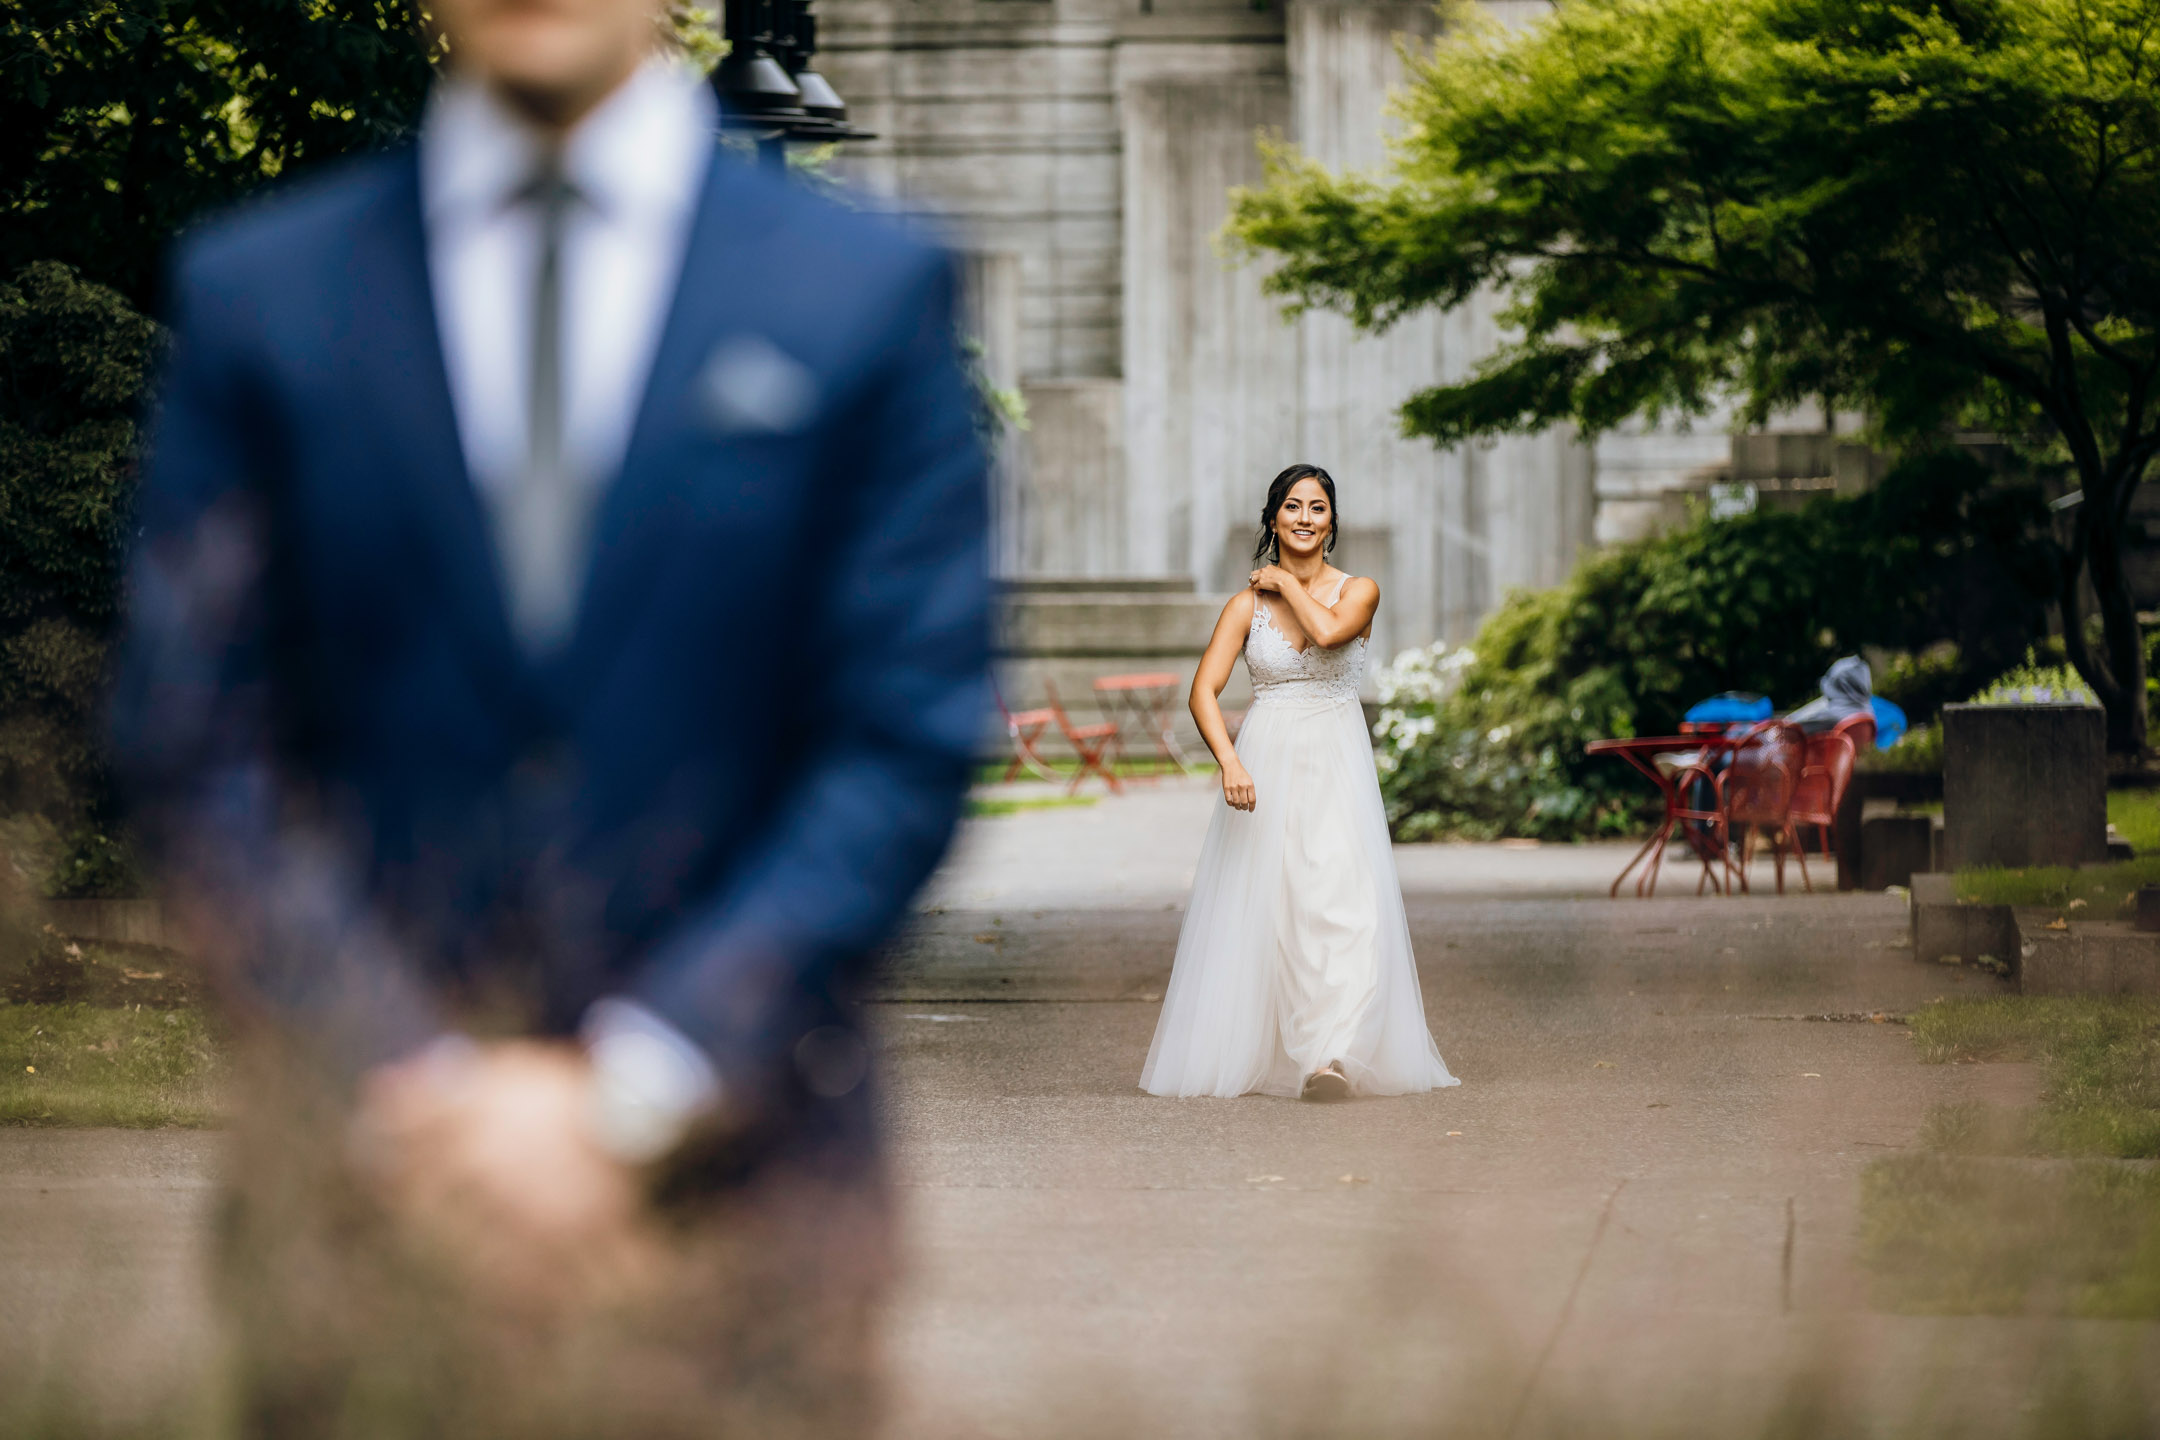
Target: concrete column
x,y
1462,527
1210,366
1344,61
1072,492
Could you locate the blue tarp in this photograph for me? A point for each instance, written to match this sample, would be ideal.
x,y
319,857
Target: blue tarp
x,y
1889,722
1734,707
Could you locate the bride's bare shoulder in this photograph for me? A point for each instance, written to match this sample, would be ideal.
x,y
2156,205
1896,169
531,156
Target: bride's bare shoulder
x,y
1237,610
1352,582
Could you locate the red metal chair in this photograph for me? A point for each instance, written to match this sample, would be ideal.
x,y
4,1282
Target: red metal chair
x,y
1704,830
1096,745
1823,778
1757,792
1024,728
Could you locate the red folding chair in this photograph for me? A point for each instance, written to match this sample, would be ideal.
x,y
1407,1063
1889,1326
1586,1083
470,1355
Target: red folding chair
x,y
1757,791
1096,745
1024,728
1823,777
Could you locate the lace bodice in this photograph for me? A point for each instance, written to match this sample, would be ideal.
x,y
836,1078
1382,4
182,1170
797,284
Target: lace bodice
x,y
1280,671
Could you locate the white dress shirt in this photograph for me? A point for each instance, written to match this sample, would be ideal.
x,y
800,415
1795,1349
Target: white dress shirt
x,y
637,164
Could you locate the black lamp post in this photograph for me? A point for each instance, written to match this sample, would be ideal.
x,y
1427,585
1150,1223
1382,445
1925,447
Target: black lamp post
x,y
766,85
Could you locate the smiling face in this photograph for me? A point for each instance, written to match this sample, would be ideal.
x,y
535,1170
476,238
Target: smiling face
x,y
1304,521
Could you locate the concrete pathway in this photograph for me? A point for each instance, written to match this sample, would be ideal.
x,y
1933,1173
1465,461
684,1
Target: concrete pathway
x,y
1636,1216
104,1306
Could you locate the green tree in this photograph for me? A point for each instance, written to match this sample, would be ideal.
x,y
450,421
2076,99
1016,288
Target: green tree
x,y
126,118
1939,210
72,360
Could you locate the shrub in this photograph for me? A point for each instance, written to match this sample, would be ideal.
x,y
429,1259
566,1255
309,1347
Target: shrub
x,y
97,866
73,361
1476,743
1492,743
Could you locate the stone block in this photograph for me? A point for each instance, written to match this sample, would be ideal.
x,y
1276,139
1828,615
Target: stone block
x,y
1893,849
2098,957
2148,908
1110,626
2024,785
1943,927
124,922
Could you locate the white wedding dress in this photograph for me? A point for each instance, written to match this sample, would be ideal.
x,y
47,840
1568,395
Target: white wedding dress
x,y
1295,952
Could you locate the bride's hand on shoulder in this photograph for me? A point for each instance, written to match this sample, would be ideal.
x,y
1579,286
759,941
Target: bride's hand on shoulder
x,y
1271,577
1237,788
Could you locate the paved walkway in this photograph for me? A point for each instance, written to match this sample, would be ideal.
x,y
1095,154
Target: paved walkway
x,y
1636,1217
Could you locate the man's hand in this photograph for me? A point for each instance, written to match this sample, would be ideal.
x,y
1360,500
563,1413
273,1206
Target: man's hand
x,y
487,1154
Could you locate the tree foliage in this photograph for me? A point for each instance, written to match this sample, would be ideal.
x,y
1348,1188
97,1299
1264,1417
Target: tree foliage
x,y
126,118
1939,210
73,357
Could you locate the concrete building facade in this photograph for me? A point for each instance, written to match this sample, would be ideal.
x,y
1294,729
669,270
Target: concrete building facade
x,y
1082,154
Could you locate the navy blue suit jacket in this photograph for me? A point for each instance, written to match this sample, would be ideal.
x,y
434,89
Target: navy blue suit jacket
x,y
717,799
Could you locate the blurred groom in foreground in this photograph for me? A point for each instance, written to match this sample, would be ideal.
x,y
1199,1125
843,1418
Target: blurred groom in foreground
x,y
558,638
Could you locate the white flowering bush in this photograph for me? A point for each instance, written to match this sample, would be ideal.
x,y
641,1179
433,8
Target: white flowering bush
x,y
1411,689
1470,749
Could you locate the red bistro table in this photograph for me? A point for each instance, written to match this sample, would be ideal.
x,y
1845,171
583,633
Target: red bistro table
x,y
1641,753
1147,702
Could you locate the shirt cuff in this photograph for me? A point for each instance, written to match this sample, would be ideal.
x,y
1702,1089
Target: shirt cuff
x,y
650,1082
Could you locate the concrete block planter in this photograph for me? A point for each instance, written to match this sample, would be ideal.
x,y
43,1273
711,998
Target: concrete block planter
x,y
2090,957
2084,957
1943,927
2024,785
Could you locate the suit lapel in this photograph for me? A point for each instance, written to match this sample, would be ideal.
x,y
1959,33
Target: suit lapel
x,y
395,330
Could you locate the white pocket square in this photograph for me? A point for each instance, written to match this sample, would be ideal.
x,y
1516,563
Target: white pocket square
x,y
750,386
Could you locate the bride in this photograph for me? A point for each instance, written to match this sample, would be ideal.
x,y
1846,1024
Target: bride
x,y
1294,974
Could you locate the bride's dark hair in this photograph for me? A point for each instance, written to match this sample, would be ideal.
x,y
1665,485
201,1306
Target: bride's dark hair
x,y
1269,550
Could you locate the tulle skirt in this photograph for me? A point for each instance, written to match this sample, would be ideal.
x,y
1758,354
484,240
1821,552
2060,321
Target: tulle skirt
x,y
1295,951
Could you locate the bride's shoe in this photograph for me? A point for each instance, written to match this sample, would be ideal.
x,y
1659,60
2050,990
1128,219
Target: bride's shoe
x,y
1326,1084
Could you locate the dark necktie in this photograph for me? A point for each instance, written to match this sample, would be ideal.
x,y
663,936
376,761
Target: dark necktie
x,y
542,521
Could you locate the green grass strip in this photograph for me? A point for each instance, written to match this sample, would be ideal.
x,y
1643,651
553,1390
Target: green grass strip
x,y
2099,1058
1014,807
1950,1235
1063,767
2109,891
75,1064
2135,814
2005,1211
